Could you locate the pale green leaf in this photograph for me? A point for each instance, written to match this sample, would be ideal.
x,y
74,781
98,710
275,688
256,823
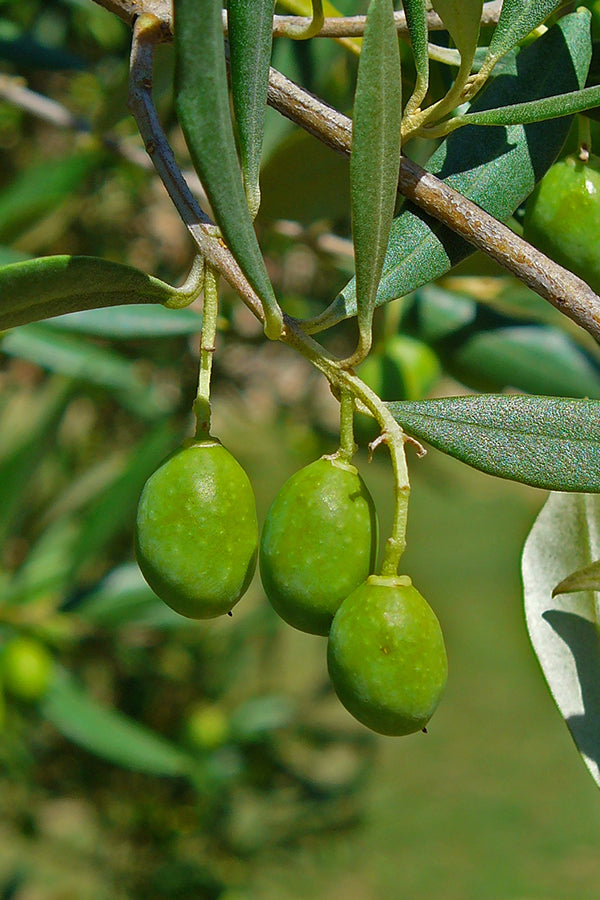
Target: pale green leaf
x,y
564,629
536,110
462,19
416,19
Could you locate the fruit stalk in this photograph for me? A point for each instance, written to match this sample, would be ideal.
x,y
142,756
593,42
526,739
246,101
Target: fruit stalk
x,y
347,443
207,348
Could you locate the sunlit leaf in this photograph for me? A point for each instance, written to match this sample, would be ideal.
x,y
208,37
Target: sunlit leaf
x,y
517,19
416,20
564,629
548,442
375,157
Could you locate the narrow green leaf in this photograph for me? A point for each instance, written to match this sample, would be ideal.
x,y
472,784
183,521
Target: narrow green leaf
x,y
462,19
114,511
375,157
83,361
537,110
416,19
130,322
202,103
124,598
18,464
250,29
53,285
39,189
548,442
531,358
564,629
110,734
497,168
517,19
586,579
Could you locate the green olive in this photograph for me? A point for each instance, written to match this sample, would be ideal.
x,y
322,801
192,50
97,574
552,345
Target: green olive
x,y
207,726
562,217
386,656
196,530
27,668
318,543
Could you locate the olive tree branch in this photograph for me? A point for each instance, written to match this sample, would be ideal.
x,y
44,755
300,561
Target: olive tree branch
x,y
564,290
348,26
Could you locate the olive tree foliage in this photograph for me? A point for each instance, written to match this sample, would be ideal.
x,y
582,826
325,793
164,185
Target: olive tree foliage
x,y
516,74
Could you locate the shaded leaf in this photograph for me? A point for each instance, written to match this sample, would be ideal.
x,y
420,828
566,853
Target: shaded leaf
x,y
124,598
202,103
462,20
495,167
39,189
547,442
83,361
564,629
130,322
110,734
54,285
375,157
586,579
250,30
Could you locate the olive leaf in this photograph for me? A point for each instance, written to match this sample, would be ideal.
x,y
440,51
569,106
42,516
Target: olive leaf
x,y
517,19
109,733
416,20
462,19
250,30
202,104
53,285
547,442
564,629
586,579
497,168
375,158
534,111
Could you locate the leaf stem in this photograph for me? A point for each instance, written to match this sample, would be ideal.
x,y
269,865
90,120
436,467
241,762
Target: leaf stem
x,y
210,311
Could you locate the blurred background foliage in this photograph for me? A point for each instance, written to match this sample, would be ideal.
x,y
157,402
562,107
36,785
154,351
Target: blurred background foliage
x,y
145,756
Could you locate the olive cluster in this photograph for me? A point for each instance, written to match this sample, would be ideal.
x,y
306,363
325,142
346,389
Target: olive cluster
x,y
197,544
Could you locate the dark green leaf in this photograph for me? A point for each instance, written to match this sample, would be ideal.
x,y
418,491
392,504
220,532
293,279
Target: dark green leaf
x,y
81,360
416,19
548,442
39,189
586,579
130,322
202,102
110,734
250,41
495,167
517,19
375,157
53,285
564,629
534,359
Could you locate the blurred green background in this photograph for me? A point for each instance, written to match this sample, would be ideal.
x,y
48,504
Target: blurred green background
x,y
174,759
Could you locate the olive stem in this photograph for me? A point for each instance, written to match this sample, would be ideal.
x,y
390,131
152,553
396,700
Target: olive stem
x,y
207,348
347,444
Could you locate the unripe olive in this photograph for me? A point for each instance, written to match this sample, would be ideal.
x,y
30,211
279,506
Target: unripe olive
x,y
562,217
386,656
27,668
318,543
196,530
207,726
